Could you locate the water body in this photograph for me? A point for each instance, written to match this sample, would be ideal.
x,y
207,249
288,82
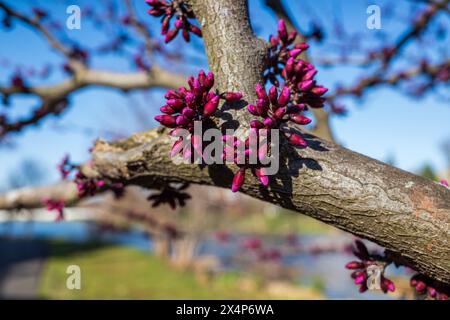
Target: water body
x,y
327,268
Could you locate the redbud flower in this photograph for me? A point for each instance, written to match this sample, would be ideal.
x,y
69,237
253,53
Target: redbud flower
x,y
57,205
242,161
298,75
238,180
277,111
360,273
179,9
187,105
427,287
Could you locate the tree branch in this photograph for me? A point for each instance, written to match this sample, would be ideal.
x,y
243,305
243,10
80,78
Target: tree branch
x,y
407,214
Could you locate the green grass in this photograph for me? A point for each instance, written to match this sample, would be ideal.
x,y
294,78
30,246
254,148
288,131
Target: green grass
x,y
113,272
281,223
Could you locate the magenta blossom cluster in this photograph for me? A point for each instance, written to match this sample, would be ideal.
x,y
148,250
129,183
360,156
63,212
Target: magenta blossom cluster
x,y
86,186
298,75
360,274
195,103
232,148
429,288
277,111
18,81
57,205
89,187
444,183
179,9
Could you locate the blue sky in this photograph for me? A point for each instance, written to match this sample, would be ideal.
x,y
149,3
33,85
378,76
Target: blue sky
x,y
386,124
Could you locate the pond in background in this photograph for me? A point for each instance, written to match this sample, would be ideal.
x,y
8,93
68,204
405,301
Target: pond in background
x,y
327,268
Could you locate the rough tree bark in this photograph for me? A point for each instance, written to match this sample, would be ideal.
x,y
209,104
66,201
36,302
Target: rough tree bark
x,y
407,214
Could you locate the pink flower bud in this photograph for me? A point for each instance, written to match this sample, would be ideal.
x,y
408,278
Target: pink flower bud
x,y
167,110
420,286
182,120
209,81
260,92
179,24
165,25
253,110
155,12
319,90
295,52
273,41
186,35
309,75
171,94
353,265
170,35
211,107
282,32
269,122
306,85
279,114
300,119
190,99
260,173
273,95
176,104
190,82
432,292
389,285
289,66
303,46
297,141
195,30
444,183
256,124
292,36
284,97
100,183
166,120
201,77
360,279
188,113
238,180
197,88
233,96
